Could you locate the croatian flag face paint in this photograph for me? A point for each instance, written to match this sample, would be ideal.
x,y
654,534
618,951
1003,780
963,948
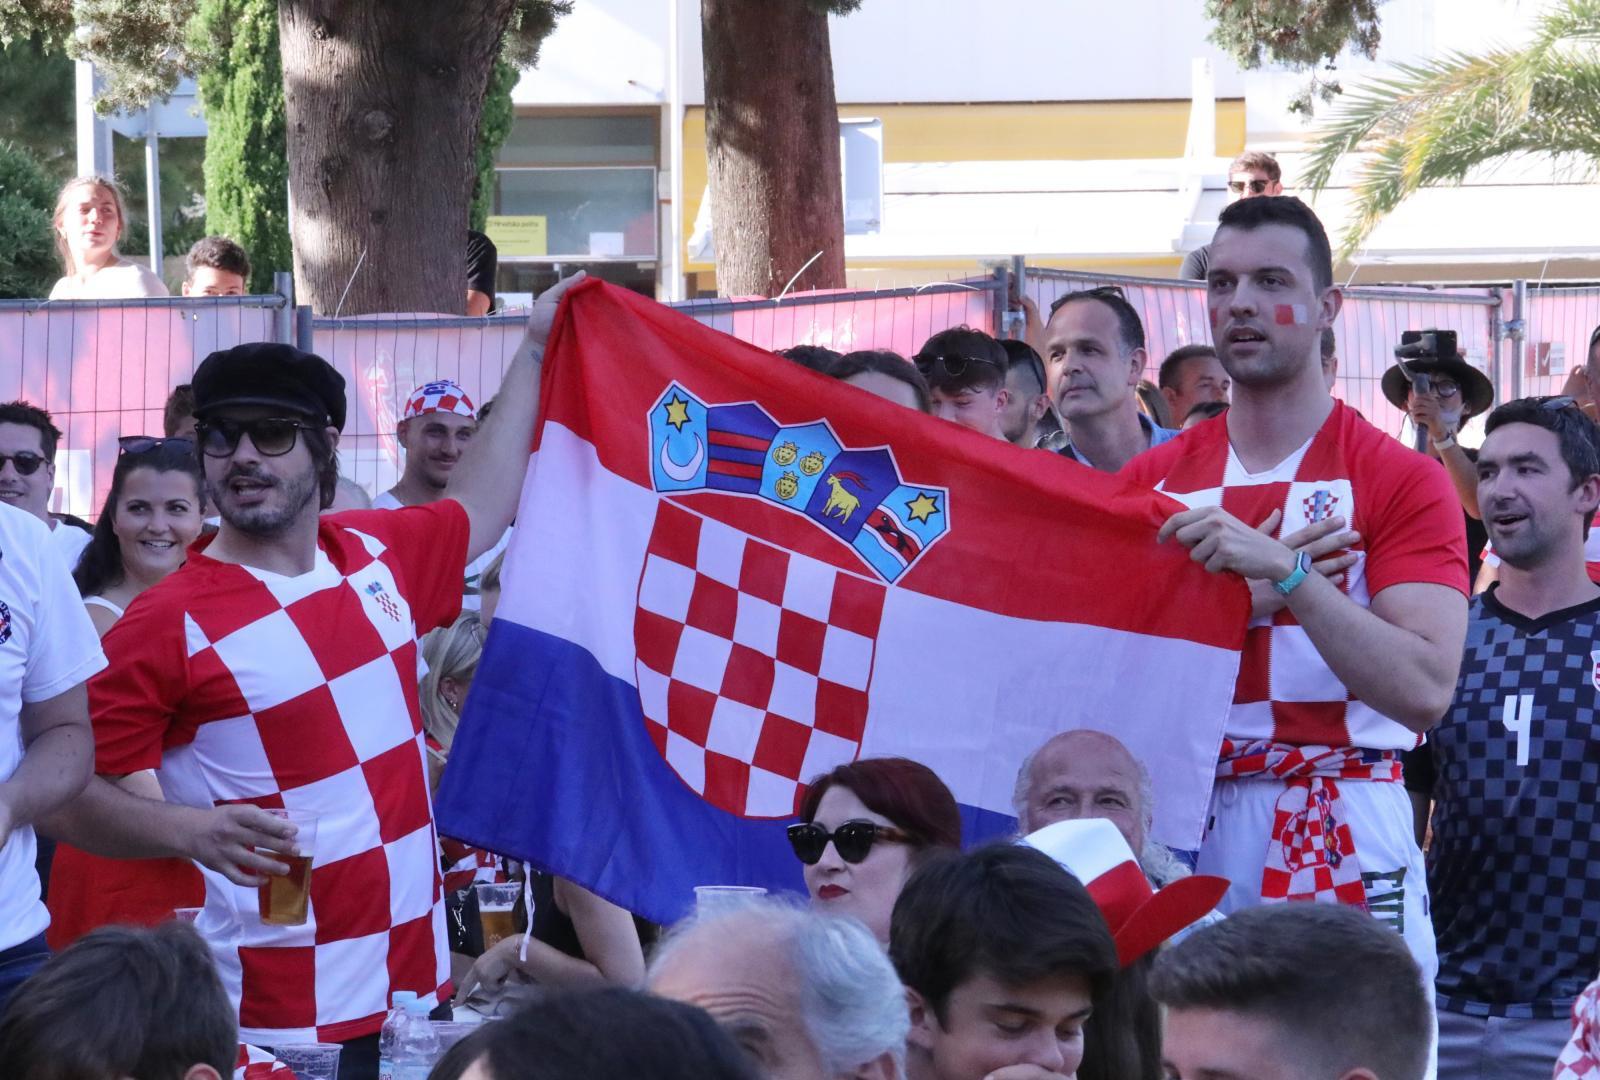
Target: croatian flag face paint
x,y
1289,314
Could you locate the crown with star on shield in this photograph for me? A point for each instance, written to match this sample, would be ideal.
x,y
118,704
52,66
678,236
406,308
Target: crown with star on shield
x,y
857,495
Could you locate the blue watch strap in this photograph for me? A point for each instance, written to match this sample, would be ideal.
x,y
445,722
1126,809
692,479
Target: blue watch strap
x,y
1302,570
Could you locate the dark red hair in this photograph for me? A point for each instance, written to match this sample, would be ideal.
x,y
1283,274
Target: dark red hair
x,y
906,792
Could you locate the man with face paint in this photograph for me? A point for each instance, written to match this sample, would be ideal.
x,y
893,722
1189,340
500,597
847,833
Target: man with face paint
x,y
1349,657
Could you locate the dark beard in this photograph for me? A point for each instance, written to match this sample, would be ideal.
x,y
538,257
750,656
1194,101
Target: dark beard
x,y
267,522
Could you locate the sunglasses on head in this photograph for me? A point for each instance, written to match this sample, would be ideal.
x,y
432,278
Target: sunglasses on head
x,y
1256,187
1099,292
143,444
953,366
1556,404
26,462
272,436
853,840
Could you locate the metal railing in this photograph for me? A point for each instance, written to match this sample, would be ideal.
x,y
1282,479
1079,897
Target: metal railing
x,y
105,368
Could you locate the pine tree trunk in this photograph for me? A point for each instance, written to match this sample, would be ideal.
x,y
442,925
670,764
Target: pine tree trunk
x,y
382,102
772,133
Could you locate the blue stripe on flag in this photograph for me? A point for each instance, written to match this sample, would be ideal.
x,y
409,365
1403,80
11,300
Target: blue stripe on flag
x,y
552,765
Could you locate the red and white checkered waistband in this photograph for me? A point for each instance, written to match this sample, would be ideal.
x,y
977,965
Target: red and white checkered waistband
x,y
1311,854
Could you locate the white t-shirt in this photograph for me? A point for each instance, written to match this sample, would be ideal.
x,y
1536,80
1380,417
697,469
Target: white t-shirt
x,y
70,541
47,646
125,280
471,600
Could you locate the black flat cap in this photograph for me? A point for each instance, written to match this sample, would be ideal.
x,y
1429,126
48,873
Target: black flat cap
x,y
267,373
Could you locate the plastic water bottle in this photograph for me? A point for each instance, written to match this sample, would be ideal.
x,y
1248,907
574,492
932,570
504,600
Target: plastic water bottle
x,y
389,1037
418,1046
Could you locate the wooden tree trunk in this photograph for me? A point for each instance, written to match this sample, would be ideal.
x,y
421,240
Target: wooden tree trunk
x,y
382,102
772,132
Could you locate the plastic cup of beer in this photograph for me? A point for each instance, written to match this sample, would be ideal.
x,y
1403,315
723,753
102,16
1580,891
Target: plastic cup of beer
x,y
283,898
310,1061
495,915
715,899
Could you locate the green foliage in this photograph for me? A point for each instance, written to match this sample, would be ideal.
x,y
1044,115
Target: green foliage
x,y
531,22
36,86
1431,123
498,115
247,164
1299,33
28,263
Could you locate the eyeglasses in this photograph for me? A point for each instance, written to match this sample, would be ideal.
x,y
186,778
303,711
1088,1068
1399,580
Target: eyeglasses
x,y
853,840
953,366
1556,404
1256,187
143,444
272,436
26,462
1099,292
1423,383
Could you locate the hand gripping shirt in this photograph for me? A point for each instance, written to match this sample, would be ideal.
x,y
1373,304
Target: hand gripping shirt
x,y
239,685
1409,518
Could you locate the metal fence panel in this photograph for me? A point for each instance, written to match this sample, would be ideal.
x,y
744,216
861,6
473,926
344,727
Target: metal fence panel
x,y
105,368
1367,329
1557,322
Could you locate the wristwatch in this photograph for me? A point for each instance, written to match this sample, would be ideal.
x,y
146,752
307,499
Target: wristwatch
x,y
1302,570
1445,443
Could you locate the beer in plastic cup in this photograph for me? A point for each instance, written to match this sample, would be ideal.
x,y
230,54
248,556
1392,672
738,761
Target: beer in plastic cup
x,y
310,1061
495,914
283,898
715,899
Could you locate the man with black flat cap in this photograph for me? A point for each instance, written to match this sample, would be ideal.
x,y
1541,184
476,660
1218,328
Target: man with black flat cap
x,y
272,684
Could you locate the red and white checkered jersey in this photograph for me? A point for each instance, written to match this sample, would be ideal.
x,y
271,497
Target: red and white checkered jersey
x,y
1409,518
244,686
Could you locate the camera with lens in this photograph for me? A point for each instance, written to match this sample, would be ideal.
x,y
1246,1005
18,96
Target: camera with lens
x,y
1424,345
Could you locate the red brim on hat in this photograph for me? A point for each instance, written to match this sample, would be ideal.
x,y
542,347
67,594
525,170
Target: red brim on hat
x,y
1173,908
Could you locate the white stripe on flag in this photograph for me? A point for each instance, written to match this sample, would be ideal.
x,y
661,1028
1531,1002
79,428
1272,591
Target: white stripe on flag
x,y
968,692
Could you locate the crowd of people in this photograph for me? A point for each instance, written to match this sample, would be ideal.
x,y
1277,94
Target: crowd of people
x,y
248,662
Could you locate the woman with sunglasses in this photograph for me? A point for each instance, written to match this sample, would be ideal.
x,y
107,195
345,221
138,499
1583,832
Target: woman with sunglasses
x,y
150,518
863,829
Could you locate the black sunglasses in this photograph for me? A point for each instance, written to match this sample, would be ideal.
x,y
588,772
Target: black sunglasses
x,y
954,366
26,462
272,436
853,840
1556,404
1256,186
143,444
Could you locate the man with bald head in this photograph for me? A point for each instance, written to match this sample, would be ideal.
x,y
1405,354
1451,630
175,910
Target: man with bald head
x,y
1089,774
809,996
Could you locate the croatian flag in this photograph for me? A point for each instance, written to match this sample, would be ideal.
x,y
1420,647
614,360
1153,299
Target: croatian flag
x,y
731,574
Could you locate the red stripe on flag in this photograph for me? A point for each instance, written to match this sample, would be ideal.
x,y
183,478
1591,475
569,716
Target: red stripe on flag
x,y
734,468
736,440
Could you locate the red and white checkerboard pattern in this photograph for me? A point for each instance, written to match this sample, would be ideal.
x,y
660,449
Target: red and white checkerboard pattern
x,y
1580,1058
302,693
257,1064
1286,692
440,396
753,663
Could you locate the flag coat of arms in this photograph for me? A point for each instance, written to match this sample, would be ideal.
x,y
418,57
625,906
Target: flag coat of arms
x,y
731,574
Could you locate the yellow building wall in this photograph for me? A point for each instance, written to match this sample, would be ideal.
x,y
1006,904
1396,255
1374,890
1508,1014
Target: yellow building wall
x,y
1048,131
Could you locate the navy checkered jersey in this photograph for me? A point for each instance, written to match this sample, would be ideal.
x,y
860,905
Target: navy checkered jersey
x,y
1514,866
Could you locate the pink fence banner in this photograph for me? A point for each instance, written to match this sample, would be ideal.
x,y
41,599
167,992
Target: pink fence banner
x,y
1366,331
1557,324
105,370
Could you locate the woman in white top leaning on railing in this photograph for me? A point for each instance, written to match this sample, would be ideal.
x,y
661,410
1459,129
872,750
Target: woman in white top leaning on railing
x,y
89,219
